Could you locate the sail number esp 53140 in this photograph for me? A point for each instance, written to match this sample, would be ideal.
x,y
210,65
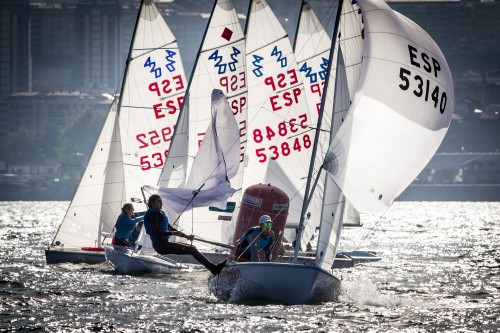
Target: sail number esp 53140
x,y
423,88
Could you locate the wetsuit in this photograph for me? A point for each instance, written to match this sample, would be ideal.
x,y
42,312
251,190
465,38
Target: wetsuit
x,y
159,230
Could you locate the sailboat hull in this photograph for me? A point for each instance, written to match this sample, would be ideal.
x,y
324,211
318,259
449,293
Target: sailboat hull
x,y
254,281
75,256
127,262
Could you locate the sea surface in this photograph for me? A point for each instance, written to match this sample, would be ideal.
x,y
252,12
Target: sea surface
x,y
440,272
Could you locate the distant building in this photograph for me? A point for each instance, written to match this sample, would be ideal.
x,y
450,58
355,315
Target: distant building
x,y
58,57
34,110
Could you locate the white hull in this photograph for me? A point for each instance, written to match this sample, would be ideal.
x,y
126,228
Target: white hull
x,y
253,281
127,262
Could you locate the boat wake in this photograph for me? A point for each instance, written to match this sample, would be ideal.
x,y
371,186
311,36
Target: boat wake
x,y
366,293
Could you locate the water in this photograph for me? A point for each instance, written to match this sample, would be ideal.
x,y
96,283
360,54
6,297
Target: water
x,y
440,272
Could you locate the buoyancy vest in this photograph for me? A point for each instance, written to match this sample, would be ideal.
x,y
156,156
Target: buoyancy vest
x,y
125,226
149,228
263,241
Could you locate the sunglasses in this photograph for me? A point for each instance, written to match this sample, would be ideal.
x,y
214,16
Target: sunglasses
x,y
267,224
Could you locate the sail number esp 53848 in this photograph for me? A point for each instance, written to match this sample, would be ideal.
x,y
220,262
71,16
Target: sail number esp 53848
x,y
423,88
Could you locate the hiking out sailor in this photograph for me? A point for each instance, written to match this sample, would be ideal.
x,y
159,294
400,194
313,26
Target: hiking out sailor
x,y
159,230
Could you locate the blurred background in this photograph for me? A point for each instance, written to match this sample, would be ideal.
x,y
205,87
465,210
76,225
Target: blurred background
x,y
61,61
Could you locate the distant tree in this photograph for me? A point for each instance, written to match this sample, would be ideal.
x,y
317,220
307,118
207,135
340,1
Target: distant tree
x,y
77,141
31,146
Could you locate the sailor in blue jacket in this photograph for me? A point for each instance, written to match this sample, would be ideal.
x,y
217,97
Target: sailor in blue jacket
x,y
159,230
125,225
255,240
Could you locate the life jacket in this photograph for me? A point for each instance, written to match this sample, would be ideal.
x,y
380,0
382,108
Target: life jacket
x,y
263,241
149,228
124,226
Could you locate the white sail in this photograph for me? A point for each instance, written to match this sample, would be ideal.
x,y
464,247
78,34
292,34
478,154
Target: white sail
x,y
133,143
333,213
100,194
343,78
313,50
217,160
220,65
152,95
400,113
280,126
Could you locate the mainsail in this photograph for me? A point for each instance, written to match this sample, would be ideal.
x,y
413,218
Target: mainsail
x,y
280,126
399,115
220,65
151,98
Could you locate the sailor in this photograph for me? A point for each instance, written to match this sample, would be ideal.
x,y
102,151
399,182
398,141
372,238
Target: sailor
x,y
125,225
255,240
159,230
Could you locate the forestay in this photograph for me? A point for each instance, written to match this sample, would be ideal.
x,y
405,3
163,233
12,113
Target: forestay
x,y
400,113
151,98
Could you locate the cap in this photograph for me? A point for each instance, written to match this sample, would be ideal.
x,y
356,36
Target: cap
x,y
264,218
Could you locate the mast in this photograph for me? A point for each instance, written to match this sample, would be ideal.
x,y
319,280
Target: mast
x,y
298,25
316,137
129,56
248,17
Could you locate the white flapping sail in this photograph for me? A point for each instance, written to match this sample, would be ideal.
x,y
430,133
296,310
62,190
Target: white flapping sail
x,y
343,79
333,212
400,113
100,194
151,98
312,49
280,126
220,65
217,161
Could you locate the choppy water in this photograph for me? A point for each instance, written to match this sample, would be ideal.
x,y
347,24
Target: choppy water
x,y
440,272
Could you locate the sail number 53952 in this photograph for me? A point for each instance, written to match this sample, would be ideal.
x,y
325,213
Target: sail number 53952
x,y
423,88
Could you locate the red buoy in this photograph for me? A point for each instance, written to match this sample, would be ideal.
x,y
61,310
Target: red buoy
x,y
261,200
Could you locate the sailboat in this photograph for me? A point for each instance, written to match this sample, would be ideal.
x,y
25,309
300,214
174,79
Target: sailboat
x,y
219,65
217,161
394,92
133,143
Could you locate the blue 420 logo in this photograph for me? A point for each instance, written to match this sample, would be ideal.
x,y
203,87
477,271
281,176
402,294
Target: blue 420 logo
x,y
222,66
157,69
